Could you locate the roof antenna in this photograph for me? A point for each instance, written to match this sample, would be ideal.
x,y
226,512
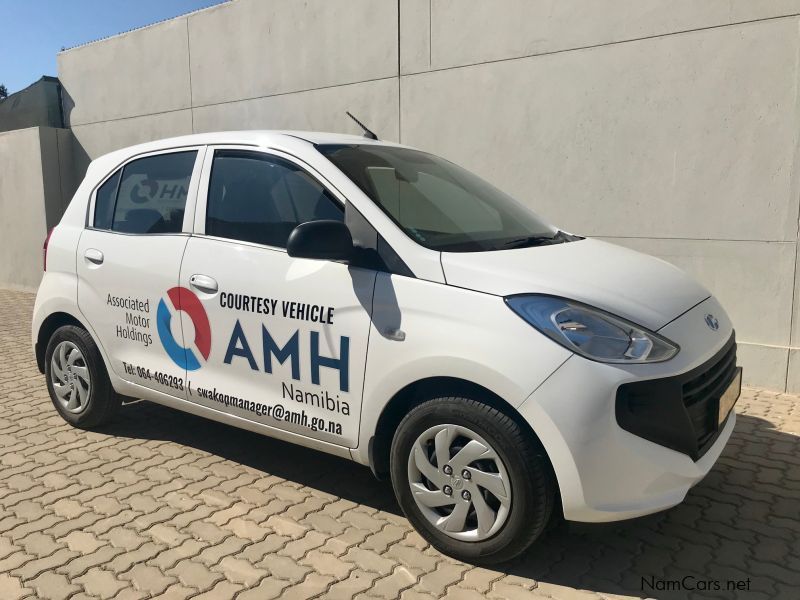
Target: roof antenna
x,y
367,133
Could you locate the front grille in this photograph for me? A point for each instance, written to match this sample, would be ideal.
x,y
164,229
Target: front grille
x,y
679,412
701,397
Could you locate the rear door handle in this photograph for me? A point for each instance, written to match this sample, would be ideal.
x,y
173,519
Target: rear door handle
x,y
204,283
94,256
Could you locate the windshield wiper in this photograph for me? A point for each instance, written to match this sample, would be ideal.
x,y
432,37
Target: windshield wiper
x,y
537,240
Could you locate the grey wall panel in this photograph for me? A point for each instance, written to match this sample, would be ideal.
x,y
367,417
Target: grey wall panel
x,y
66,164
474,31
251,48
374,103
415,35
53,202
22,194
745,10
687,136
764,366
96,139
793,372
142,72
795,324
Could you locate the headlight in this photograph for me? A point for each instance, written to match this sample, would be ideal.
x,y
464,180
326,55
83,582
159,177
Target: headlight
x,y
591,332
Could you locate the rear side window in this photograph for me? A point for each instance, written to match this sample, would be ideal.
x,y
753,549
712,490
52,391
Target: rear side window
x,y
149,195
258,198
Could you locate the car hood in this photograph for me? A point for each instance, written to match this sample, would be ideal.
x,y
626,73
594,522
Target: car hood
x,y
638,287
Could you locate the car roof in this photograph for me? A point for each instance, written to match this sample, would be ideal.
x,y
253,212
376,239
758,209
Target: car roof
x,y
280,140
264,138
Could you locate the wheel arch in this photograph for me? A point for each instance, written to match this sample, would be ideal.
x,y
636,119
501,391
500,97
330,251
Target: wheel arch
x,y
46,330
416,393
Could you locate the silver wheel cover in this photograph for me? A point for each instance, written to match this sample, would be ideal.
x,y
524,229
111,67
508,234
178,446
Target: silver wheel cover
x,y
459,482
69,375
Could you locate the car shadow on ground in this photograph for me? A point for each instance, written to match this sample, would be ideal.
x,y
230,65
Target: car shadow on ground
x,y
312,468
736,535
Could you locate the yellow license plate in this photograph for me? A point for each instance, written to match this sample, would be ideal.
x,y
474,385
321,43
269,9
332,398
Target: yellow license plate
x,y
730,396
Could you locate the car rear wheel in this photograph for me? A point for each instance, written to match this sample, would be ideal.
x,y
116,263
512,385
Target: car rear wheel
x,y
77,379
472,481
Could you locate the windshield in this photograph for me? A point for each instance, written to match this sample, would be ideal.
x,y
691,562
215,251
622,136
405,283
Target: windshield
x,y
438,204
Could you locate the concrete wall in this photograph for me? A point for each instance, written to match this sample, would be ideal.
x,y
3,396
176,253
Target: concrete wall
x,y
242,65
34,164
670,126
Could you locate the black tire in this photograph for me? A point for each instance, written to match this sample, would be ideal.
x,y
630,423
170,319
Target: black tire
x,y
103,401
532,483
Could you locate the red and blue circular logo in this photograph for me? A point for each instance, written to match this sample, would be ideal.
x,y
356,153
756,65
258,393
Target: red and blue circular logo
x,y
184,299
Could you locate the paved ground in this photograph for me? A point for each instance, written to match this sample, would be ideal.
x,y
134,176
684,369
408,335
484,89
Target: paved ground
x,y
167,507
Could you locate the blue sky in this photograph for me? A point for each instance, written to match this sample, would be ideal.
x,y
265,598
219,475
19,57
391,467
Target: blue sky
x,y
33,31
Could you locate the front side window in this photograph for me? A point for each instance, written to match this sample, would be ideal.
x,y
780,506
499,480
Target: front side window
x,y
147,196
254,197
438,204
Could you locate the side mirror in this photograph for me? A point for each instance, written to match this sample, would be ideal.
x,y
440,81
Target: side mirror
x,y
321,240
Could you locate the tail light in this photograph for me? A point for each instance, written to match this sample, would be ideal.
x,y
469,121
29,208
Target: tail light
x,y
44,248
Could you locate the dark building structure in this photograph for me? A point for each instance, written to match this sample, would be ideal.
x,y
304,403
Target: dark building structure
x,y
38,105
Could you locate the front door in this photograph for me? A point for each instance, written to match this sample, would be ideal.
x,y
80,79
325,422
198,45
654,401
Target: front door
x,y
129,260
287,337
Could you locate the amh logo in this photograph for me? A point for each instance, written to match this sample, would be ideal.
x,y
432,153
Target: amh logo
x,y
184,299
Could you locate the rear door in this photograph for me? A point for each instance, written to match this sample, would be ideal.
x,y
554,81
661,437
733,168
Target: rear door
x,y
128,264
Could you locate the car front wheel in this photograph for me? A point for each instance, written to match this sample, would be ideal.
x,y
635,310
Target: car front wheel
x,y
472,481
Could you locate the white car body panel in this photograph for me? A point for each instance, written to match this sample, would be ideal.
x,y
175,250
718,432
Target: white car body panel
x,y
641,288
445,331
447,320
582,436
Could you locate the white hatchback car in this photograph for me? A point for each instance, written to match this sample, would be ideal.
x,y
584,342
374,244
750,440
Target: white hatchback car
x,y
382,304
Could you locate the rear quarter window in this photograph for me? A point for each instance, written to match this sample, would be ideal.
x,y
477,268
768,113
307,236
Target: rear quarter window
x,y
147,195
104,202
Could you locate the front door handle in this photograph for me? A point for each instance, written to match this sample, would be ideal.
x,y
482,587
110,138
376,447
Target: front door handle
x,y
94,256
204,283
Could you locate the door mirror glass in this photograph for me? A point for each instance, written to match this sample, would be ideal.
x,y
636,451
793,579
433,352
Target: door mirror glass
x,y
321,240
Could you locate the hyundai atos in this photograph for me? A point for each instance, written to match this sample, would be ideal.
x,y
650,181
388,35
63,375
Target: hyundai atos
x,y
385,305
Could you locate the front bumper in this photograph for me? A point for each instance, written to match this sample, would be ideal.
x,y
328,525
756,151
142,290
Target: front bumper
x,y
680,412
623,440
